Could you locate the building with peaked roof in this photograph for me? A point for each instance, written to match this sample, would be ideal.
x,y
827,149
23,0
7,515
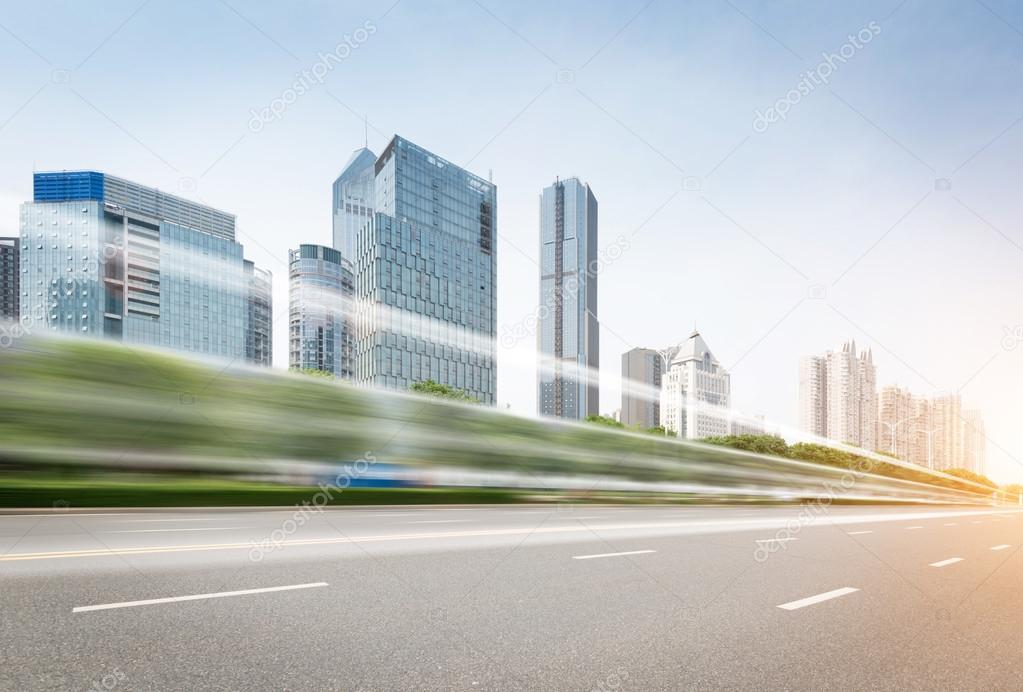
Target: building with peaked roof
x,y
696,392
354,195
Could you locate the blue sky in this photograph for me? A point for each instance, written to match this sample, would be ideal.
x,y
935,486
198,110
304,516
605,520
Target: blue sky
x,y
653,105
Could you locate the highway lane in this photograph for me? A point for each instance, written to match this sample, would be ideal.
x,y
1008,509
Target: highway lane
x,y
587,597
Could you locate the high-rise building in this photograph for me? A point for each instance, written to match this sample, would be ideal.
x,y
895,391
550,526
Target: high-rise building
x,y
974,442
426,276
837,396
569,334
642,370
104,256
259,315
10,269
897,418
353,201
320,295
696,394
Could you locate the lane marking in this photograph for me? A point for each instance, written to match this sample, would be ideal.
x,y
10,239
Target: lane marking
x,y
1001,547
775,540
133,521
438,521
952,523
945,563
197,597
697,527
205,528
630,552
913,528
857,533
812,600
976,522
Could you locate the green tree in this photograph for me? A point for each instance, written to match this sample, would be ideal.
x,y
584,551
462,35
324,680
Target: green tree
x,y
761,444
313,372
604,420
971,476
443,391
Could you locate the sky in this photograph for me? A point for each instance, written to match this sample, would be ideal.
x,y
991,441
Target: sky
x,y
878,201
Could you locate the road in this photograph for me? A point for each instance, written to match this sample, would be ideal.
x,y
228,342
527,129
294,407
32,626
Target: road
x,y
513,597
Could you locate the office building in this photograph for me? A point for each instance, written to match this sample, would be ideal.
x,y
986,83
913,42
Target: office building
x,y
696,392
258,315
642,369
837,396
568,331
974,442
320,296
9,273
353,201
426,276
104,256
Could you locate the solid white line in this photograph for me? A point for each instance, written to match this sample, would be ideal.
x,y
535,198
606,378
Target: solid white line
x,y
857,533
132,521
213,528
438,521
1002,547
197,597
952,523
913,528
775,540
944,563
976,522
811,600
631,552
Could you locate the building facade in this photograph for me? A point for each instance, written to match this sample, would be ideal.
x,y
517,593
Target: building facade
x,y
696,392
897,420
319,307
642,371
104,256
426,276
568,335
838,397
258,315
10,270
354,198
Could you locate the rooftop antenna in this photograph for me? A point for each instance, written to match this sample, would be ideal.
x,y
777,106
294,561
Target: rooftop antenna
x,y
365,124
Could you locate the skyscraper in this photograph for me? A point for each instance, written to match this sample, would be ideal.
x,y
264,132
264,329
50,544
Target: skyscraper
x,y
259,315
425,276
897,414
974,441
104,256
10,269
697,392
320,294
642,369
353,201
569,334
837,396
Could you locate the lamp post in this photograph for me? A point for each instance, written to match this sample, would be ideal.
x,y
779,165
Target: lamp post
x,y
891,431
930,461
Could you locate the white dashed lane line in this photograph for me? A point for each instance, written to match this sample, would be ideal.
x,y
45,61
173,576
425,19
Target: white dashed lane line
x,y
819,598
946,563
857,533
197,597
1001,547
631,552
775,540
913,528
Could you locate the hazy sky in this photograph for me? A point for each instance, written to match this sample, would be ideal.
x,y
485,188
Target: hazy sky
x,y
775,239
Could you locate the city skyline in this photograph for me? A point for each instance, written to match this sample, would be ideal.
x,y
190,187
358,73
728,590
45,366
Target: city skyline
x,y
835,217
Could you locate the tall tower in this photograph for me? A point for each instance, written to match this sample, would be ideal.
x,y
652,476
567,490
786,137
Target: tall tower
x,y
426,276
353,201
320,292
642,371
697,392
569,333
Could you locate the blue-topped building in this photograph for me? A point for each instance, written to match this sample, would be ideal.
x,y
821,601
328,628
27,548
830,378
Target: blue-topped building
x,y
105,256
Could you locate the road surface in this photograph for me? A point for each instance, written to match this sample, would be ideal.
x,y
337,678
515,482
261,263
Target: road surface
x,y
513,597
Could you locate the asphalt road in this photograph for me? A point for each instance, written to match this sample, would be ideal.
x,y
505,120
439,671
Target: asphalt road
x,y
588,598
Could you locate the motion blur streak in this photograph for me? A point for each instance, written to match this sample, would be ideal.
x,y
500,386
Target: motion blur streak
x,y
92,405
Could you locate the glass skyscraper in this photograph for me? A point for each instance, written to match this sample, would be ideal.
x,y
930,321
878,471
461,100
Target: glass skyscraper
x,y
569,333
319,333
353,200
259,315
9,273
104,256
425,276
